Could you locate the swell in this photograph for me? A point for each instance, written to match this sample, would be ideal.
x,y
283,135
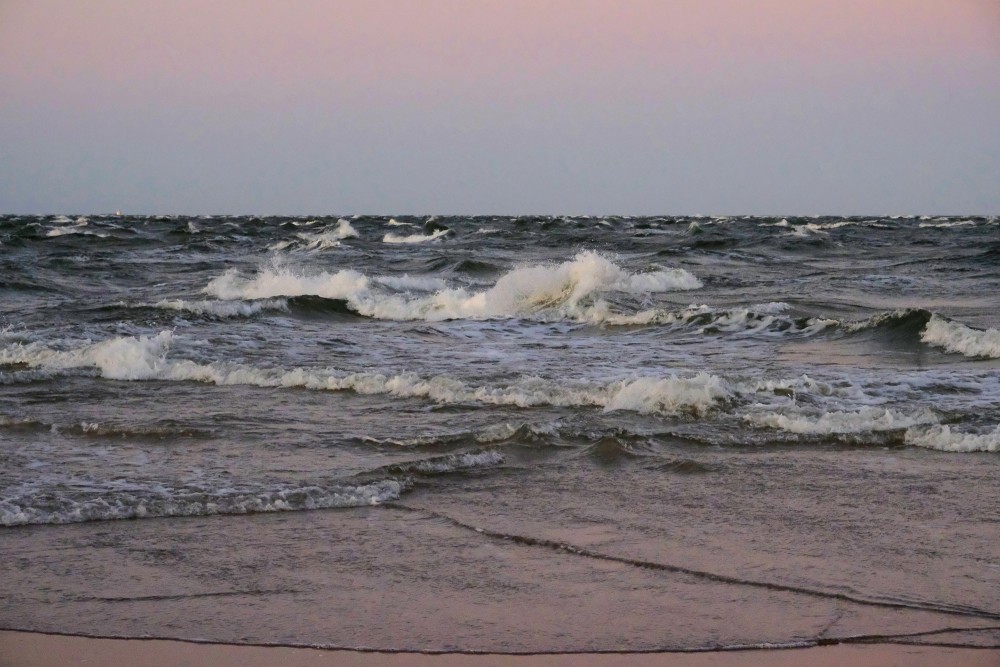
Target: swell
x,y
576,290
917,325
311,234
799,406
146,358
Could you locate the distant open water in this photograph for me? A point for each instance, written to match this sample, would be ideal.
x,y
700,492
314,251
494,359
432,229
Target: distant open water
x,y
176,366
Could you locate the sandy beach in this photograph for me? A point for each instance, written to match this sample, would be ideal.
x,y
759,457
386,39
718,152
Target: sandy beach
x,y
25,649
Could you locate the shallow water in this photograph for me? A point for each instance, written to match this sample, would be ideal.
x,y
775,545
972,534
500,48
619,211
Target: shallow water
x,y
791,420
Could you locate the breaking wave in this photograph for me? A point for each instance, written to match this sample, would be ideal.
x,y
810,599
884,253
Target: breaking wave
x,y
80,227
933,329
866,420
706,319
908,320
919,428
960,339
415,238
327,238
451,463
571,289
145,358
944,439
223,309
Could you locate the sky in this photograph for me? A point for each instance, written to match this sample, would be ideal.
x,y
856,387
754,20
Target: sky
x,y
500,106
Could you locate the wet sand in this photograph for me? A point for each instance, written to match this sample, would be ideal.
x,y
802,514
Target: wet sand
x,y
28,649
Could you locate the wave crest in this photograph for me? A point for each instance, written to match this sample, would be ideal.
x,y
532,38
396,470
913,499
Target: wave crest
x,y
944,439
145,358
960,339
563,290
865,420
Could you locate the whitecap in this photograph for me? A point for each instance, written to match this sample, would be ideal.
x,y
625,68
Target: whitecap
x,y
566,290
960,339
123,358
145,358
415,238
80,227
237,308
321,240
864,420
950,223
456,462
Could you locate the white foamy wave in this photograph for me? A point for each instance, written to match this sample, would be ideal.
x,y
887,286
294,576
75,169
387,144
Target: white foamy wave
x,y
279,280
507,430
145,358
666,280
561,291
223,308
79,228
866,420
346,230
414,238
321,240
672,395
950,223
161,502
807,230
705,319
396,223
456,462
960,339
125,358
944,439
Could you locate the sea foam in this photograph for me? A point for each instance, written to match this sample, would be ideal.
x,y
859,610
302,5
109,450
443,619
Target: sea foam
x,y
321,240
160,502
960,339
122,358
944,439
415,238
214,308
567,290
145,358
864,420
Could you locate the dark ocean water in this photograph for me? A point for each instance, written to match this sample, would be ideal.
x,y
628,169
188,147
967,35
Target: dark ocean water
x,y
750,430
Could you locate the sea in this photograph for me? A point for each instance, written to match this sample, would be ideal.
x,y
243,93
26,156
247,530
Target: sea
x,y
501,434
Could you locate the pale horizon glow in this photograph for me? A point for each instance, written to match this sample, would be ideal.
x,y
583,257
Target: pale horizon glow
x,y
500,106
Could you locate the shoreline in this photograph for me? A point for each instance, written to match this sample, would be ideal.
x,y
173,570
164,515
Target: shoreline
x,y
20,648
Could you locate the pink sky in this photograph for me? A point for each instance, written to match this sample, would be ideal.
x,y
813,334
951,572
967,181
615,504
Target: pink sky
x,y
506,48
626,106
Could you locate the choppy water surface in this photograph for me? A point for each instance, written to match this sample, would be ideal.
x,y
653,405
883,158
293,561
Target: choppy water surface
x,y
718,408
